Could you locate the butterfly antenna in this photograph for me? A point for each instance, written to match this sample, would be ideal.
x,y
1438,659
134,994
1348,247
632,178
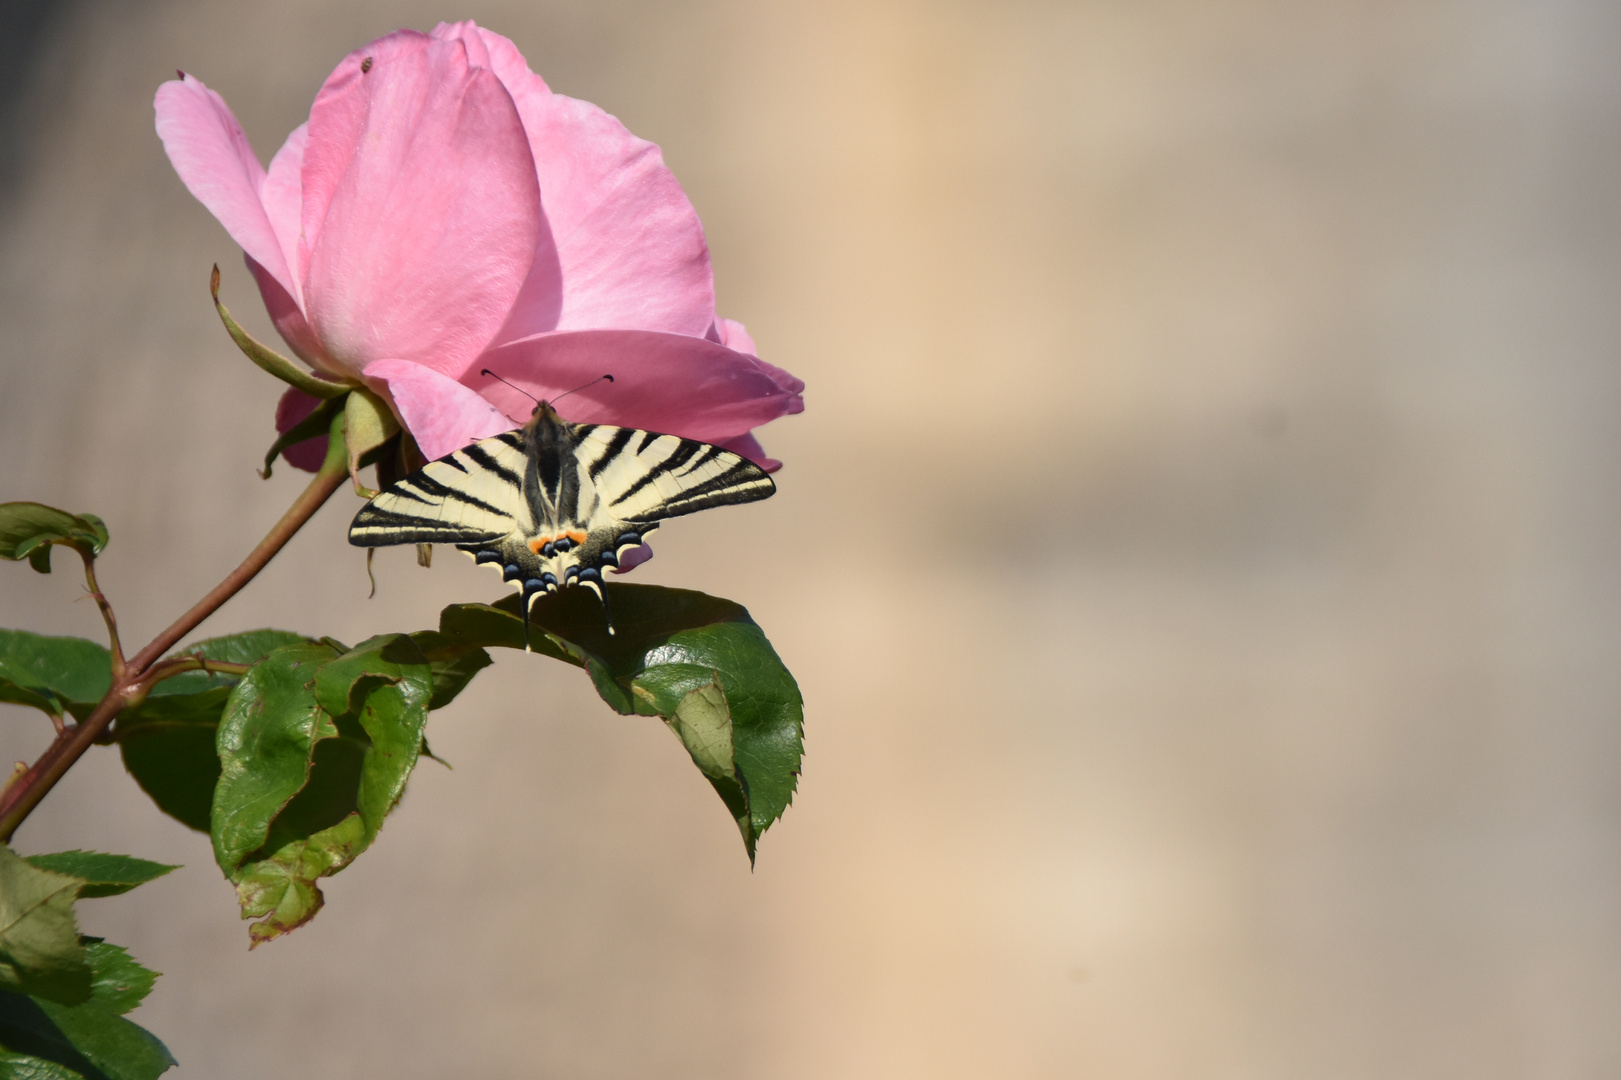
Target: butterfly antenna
x,y
520,389
582,386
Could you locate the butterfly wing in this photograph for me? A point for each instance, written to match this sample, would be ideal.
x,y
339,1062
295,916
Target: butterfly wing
x,y
643,476
473,496
626,481
574,525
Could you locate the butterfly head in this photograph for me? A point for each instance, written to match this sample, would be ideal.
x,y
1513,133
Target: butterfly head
x,y
544,410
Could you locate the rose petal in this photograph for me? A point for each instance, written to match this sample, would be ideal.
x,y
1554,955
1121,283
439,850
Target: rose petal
x,y
662,382
421,208
633,558
733,335
486,48
294,406
441,414
629,242
282,194
540,301
212,156
625,249
289,321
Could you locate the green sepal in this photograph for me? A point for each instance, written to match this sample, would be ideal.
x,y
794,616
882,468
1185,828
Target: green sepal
x,y
368,425
40,954
698,661
56,675
102,874
313,426
270,360
316,744
27,529
167,741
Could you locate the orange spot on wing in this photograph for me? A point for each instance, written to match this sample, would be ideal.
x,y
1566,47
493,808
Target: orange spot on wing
x,y
537,543
577,537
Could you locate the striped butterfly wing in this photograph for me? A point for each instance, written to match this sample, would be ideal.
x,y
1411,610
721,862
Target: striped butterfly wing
x,y
643,476
473,496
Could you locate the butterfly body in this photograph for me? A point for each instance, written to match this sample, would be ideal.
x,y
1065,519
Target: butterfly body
x,y
555,504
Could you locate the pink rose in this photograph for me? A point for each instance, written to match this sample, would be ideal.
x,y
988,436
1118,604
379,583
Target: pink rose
x,y
442,212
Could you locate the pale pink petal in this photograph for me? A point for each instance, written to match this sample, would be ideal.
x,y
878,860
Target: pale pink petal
x,y
283,196
209,151
486,48
294,406
789,383
629,250
540,302
633,558
733,335
289,321
441,414
337,121
431,227
662,382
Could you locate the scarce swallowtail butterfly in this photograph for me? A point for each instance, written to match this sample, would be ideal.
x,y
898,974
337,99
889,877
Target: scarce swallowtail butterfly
x,y
555,504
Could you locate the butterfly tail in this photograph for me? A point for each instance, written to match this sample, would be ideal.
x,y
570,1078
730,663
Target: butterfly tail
x,y
593,581
530,590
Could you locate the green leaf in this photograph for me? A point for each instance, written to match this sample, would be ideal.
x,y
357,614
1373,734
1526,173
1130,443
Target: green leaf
x,y
167,741
43,1040
698,661
453,665
91,1039
266,742
703,722
28,1067
40,952
316,746
118,981
103,875
387,684
28,528
31,1067
53,674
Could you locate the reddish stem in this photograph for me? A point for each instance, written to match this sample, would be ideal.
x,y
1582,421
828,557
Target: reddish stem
x,y
20,797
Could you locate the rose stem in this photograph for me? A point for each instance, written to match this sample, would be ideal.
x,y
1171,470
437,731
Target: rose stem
x,y
20,797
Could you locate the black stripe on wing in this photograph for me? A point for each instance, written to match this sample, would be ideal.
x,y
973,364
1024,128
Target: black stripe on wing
x,y
663,476
471,496
743,482
616,446
375,527
483,459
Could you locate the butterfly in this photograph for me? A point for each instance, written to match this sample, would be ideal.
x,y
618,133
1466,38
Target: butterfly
x,y
555,504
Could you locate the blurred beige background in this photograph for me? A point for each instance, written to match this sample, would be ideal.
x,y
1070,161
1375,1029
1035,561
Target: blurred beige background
x,y
1198,552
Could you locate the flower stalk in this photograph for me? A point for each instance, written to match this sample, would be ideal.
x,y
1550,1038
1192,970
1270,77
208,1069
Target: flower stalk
x,y
132,679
